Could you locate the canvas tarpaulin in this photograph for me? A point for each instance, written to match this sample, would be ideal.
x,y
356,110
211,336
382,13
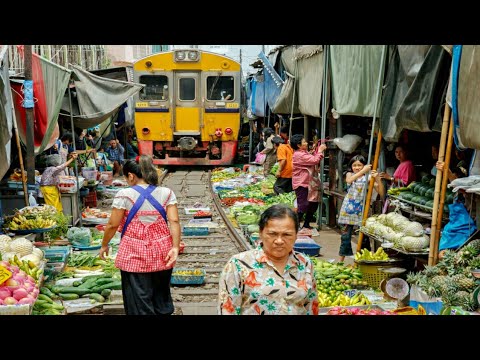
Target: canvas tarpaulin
x,y
283,105
467,122
49,84
97,98
414,89
354,78
310,78
273,81
258,95
6,115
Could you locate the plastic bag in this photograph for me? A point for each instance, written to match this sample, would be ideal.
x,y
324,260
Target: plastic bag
x,y
260,158
348,143
420,297
79,236
459,228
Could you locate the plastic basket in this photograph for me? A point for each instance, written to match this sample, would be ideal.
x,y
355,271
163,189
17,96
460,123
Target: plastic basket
x,y
307,248
195,231
189,278
373,274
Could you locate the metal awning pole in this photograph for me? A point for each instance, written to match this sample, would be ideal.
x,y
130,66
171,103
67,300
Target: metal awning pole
x,y
74,149
323,131
366,201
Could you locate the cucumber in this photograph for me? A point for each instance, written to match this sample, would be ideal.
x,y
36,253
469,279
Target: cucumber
x,y
46,291
96,277
45,297
106,293
103,281
114,285
73,290
96,297
77,283
69,296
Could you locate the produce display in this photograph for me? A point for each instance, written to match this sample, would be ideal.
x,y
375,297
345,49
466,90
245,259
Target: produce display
x,y
396,228
20,289
421,193
367,255
332,281
33,217
338,310
452,279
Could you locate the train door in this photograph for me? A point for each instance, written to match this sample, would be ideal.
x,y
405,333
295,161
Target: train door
x,y
187,103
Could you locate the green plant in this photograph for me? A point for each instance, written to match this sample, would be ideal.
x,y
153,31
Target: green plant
x,y
61,229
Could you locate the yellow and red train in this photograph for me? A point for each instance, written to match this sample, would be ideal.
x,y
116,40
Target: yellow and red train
x,y
189,112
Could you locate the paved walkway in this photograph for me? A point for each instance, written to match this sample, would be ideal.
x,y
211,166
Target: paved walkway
x,y
329,240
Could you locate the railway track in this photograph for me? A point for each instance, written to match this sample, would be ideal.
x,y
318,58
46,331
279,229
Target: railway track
x,y
209,252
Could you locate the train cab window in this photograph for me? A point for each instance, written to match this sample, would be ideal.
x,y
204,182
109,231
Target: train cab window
x,y
156,87
220,88
187,89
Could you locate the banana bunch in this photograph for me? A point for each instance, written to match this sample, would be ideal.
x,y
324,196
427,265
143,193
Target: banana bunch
x,y
343,300
20,222
28,267
379,255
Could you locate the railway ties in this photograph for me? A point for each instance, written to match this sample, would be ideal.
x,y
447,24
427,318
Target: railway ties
x,y
209,252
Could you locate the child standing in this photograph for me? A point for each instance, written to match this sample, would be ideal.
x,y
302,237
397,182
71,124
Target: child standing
x,y
351,211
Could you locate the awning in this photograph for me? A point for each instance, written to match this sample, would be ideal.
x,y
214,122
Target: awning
x,y
354,78
414,89
6,115
96,98
49,83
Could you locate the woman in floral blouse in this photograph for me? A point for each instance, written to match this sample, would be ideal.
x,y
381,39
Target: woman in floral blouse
x,y
271,279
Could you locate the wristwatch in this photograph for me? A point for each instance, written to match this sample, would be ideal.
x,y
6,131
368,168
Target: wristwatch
x,y
392,178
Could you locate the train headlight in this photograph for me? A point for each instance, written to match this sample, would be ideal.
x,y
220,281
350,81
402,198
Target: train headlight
x,y
228,131
180,55
193,55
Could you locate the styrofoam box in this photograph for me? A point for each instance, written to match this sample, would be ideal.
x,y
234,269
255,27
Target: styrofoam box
x,y
23,309
191,211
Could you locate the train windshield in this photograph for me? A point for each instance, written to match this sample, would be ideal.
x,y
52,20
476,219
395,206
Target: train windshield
x,y
156,87
220,88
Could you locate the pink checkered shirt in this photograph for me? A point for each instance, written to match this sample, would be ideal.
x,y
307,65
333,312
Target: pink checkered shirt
x,y
144,245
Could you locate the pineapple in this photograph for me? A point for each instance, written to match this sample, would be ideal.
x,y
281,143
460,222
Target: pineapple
x,y
466,301
475,244
413,278
463,281
451,299
474,250
431,271
474,263
464,256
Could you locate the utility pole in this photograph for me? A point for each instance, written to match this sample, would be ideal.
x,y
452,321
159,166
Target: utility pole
x,y
240,56
263,49
28,104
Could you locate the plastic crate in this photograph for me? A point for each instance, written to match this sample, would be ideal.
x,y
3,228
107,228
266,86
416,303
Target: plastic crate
x,y
307,248
195,231
56,253
90,200
189,278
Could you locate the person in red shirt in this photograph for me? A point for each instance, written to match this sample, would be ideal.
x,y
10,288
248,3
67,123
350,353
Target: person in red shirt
x,y
150,240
